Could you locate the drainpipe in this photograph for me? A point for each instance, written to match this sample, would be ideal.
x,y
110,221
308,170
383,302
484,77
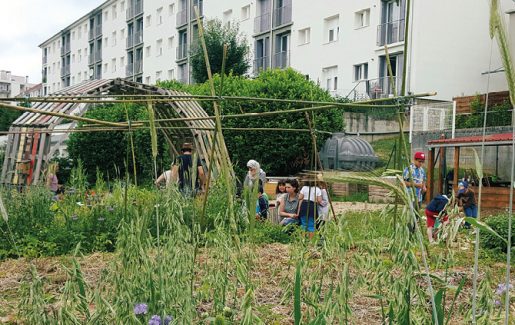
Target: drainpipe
x,y
272,42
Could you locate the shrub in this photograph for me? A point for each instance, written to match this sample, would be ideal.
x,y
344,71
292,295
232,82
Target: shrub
x,y
499,224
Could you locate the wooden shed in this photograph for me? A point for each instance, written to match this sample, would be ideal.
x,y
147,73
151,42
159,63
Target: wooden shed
x,y
28,148
495,195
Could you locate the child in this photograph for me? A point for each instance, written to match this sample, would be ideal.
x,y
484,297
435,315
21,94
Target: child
x,y
433,210
467,200
323,207
310,195
262,204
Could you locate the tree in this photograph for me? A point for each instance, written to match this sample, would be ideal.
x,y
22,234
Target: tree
x,y
110,151
216,35
279,152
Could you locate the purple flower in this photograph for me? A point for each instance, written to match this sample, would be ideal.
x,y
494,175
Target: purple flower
x,y
501,288
498,303
168,319
140,309
155,320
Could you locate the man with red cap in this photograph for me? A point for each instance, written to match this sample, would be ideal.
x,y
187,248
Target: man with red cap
x,y
415,177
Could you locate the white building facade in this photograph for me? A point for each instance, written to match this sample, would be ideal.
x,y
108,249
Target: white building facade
x,y
338,44
12,85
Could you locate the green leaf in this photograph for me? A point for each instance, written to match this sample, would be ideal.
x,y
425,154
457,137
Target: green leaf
x,y
483,226
296,295
438,300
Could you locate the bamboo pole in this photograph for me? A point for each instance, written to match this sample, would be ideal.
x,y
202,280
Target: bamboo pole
x,y
67,116
209,98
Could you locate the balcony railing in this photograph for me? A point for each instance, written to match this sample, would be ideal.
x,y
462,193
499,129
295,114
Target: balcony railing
x,y
182,51
282,59
65,49
389,33
91,33
45,59
182,18
65,70
134,11
138,67
262,23
129,70
260,64
91,58
382,87
98,56
98,31
200,5
282,15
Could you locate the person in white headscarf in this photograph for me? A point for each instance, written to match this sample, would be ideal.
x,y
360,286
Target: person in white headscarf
x,y
255,173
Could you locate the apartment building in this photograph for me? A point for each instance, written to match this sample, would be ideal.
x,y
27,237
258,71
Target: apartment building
x,y
338,44
12,85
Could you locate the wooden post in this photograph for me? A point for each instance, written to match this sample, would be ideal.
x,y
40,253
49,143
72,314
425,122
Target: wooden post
x,y
456,169
430,173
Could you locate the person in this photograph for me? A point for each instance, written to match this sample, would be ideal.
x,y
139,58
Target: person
x,y
467,200
164,177
182,172
415,177
254,173
280,191
310,195
323,208
289,206
436,209
262,204
52,183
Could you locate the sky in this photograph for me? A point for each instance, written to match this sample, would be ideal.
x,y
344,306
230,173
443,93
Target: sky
x,y
24,24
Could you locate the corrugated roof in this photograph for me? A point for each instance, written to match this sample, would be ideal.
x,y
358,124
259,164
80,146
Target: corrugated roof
x,y
470,141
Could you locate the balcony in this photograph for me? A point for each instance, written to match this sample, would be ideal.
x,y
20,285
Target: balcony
x,y
262,23
98,56
200,4
182,51
65,70
45,59
134,11
138,67
91,58
182,18
98,31
382,87
282,59
65,49
260,64
91,33
282,16
389,33
129,70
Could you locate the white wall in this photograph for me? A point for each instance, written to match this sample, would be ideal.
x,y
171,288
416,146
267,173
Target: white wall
x,y
79,35
156,64
114,50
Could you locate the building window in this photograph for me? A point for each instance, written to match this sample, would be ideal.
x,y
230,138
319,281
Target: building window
x,y
73,36
106,15
147,51
332,28
113,42
73,58
362,18
105,67
122,62
79,52
113,65
158,76
79,32
148,20
147,80
114,12
106,40
245,12
159,15
122,34
361,72
171,74
304,36
330,75
79,76
159,47
170,42
171,9
227,17
122,7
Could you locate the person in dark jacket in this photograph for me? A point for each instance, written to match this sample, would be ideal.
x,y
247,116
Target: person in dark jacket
x,y
436,209
467,200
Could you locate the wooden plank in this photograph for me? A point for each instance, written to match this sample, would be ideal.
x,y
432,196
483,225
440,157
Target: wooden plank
x,y
19,154
35,144
39,158
8,149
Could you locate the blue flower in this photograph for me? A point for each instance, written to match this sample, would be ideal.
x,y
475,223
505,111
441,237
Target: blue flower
x,y
168,319
140,309
155,320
